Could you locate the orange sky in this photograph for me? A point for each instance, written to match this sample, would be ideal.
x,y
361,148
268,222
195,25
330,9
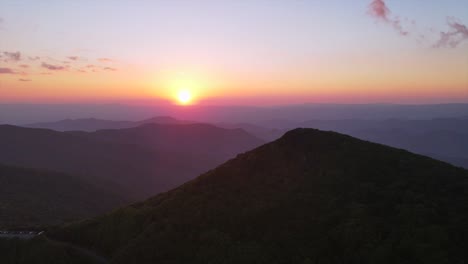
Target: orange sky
x,y
227,53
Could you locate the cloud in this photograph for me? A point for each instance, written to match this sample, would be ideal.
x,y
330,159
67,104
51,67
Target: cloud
x,y
452,38
105,60
109,69
457,34
24,66
24,80
73,58
6,71
379,10
53,67
35,58
12,56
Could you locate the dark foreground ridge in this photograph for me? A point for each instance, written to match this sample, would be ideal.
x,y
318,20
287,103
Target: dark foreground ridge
x,y
309,197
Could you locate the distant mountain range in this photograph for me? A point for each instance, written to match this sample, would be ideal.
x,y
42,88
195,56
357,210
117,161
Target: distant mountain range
x,y
135,162
93,124
443,138
33,113
308,197
31,197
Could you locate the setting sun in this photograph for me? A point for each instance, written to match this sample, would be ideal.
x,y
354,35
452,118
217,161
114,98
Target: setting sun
x,y
184,97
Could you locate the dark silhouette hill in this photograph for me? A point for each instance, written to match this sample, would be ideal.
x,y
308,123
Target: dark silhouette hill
x,y
122,161
308,197
31,197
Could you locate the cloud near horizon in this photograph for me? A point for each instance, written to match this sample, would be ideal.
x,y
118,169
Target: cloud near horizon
x,y
71,63
105,60
24,80
52,67
12,56
7,71
109,69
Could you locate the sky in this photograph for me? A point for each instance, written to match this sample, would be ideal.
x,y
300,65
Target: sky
x,y
234,52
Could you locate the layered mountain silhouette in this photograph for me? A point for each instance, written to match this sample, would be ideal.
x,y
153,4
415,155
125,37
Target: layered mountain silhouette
x,y
308,197
441,138
136,162
93,124
31,197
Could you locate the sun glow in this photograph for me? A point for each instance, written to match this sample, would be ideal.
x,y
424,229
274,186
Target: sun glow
x,y
184,97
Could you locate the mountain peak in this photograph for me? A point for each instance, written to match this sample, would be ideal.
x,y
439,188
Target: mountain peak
x,y
310,195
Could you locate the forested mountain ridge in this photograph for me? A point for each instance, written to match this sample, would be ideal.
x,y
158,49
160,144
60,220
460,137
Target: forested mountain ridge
x,y
136,162
32,197
309,197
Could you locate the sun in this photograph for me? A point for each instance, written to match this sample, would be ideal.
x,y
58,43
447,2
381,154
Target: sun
x,y
184,97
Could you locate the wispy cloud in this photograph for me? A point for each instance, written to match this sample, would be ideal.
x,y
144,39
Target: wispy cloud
x,y
379,10
53,67
34,58
6,71
24,80
25,66
109,69
457,34
12,56
452,38
73,58
105,60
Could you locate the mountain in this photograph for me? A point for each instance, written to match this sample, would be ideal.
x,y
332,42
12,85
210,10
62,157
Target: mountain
x,y
84,124
202,140
308,197
93,124
135,162
267,134
31,197
443,138
439,138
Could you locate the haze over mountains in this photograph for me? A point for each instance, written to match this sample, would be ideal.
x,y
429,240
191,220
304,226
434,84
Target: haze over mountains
x,y
138,168
20,114
93,124
442,138
309,197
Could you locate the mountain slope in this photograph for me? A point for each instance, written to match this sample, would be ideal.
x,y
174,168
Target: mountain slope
x,y
309,197
445,139
128,160
30,197
189,139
